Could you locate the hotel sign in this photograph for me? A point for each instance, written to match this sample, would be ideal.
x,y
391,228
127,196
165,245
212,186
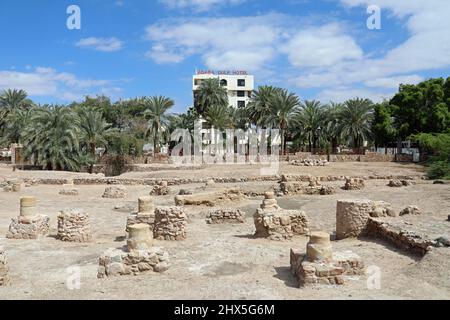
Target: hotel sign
x,y
223,72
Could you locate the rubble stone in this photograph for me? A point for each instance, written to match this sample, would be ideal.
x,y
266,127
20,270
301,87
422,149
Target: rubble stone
x,y
4,270
400,183
412,210
161,189
28,225
354,184
69,190
277,224
74,226
115,262
115,192
170,223
225,216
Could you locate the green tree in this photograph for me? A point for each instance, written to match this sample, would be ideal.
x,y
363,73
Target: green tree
x,y
283,108
383,128
210,93
355,121
14,126
259,105
93,130
311,118
156,112
439,146
219,117
422,108
11,100
52,139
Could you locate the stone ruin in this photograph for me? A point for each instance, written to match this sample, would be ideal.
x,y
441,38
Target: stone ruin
x,y
278,224
4,270
166,223
74,225
400,183
309,163
145,214
170,223
161,189
354,184
68,190
225,216
410,210
320,266
12,186
314,187
115,192
138,256
29,224
352,216
210,199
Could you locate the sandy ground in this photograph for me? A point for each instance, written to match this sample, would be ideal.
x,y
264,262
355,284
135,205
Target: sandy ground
x,y
223,261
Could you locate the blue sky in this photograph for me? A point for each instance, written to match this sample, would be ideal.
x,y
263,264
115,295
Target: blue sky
x,y
317,49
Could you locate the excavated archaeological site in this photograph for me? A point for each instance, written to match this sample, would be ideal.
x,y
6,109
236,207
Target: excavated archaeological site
x,y
341,231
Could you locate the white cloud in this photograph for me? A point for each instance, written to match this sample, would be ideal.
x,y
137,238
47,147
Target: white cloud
x,y
321,47
199,5
342,94
101,44
43,81
393,82
244,42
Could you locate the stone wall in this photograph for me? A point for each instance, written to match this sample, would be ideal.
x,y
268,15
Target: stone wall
x,y
29,228
115,262
183,181
4,270
74,226
225,216
352,216
280,224
170,223
404,239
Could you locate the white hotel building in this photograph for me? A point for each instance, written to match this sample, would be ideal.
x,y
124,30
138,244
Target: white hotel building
x,y
239,85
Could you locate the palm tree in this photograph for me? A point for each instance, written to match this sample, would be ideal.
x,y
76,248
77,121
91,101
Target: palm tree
x,y
210,93
158,119
93,131
219,117
355,121
283,107
259,105
312,119
11,100
331,129
14,126
51,139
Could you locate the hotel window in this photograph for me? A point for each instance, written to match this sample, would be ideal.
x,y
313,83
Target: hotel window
x,y
241,104
241,82
198,82
223,83
241,93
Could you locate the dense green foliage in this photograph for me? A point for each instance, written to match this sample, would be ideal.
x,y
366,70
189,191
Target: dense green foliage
x,y
67,137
